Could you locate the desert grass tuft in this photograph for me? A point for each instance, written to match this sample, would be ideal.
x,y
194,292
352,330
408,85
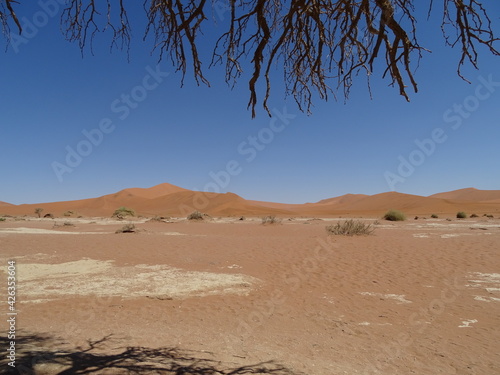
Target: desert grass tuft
x,y
196,215
121,212
270,219
461,215
158,219
350,228
394,215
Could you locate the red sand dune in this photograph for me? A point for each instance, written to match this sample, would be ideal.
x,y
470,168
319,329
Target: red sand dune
x,y
5,204
150,193
166,199
469,194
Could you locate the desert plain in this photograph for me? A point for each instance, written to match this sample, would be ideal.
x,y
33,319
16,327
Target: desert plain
x,y
230,295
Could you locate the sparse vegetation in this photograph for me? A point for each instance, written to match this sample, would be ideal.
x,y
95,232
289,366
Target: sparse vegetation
x,y
270,219
434,216
39,211
474,215
48,216
195,215
68,213
350,228
394,215
2,219
490,216
121,212
158,219
127,228
68,224
461,215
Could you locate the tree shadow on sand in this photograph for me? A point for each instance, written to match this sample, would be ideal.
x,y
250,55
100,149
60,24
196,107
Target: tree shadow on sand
x,y
34,358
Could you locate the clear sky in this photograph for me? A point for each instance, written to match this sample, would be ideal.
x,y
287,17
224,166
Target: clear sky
x,y
52,101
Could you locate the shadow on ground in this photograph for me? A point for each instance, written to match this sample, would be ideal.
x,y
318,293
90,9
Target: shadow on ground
x,y
35,355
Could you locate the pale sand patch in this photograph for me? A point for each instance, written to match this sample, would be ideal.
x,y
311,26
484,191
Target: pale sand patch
x,y
489,282
23,230
378,324
451,235
172,234
34,271
40,282
467,323
492,290
488,277
397,297
486,299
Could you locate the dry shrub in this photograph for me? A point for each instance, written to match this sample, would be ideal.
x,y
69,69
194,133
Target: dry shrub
x,y
127,228
394,215
196,215
270,220
350,228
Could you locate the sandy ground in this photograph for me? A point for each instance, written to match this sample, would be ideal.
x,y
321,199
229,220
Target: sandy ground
x,y
238,297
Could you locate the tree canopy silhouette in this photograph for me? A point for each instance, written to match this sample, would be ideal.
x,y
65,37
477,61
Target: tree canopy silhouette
x,y
318,42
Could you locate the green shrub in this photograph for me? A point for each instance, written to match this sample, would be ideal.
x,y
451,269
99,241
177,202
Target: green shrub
x,y
270,220
461,215
434,216
394,215
350,228
123,211
195,215
2,219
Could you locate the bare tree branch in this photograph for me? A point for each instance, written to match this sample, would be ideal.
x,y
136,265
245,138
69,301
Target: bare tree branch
x,y
5,15
313,42
473,27
174,25
82,20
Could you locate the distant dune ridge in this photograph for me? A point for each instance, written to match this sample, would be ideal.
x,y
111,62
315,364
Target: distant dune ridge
x,y
170,200
470,194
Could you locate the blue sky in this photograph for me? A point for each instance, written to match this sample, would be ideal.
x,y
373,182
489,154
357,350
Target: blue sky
x,y
201,138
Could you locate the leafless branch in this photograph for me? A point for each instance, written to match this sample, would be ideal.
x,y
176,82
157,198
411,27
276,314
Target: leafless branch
x,y
82,20
314,42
